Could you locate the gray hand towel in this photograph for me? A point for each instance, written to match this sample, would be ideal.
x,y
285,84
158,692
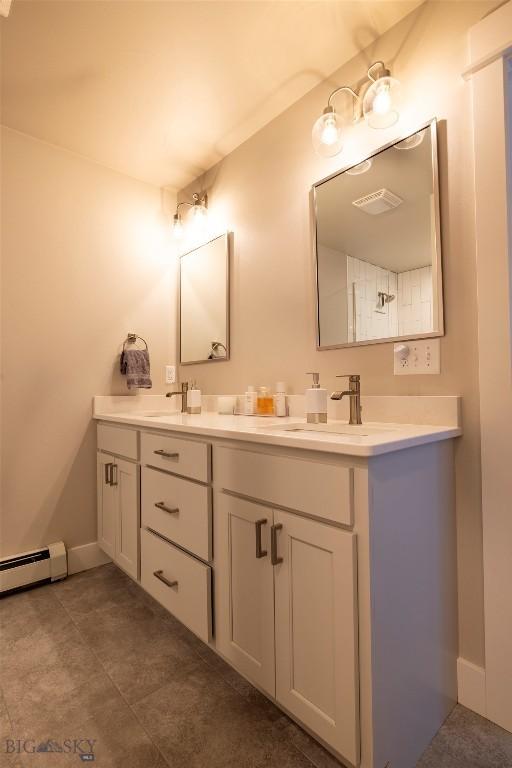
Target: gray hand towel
x,y
135,366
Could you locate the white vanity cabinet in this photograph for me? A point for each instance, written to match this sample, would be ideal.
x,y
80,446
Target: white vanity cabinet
x,y
286,587
344,610
118,488
328,579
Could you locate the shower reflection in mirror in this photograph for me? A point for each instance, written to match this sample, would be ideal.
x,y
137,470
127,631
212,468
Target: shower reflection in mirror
x,y
378,254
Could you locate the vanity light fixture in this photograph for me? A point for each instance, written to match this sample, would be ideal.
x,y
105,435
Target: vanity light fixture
x,y
199,214
379,106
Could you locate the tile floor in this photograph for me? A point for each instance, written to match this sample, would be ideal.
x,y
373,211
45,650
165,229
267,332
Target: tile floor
x,y
95,658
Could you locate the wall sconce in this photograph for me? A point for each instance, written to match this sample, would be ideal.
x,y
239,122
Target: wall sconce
x,y
199,214
380,107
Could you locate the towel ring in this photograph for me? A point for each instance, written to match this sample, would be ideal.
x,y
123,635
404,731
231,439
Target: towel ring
x,y
132,339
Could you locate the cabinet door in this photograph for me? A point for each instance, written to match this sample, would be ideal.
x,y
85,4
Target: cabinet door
x,y
244,605
316,629
106,505
126,479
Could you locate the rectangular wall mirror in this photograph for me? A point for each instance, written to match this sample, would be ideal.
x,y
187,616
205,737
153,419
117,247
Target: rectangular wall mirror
x,y
204,302
378,250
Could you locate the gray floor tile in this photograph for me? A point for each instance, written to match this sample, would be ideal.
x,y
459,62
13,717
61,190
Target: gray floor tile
x,y
69,706
118,741
137,648
32,695
467,740
95,657
24,613
37,649
107,588
199,720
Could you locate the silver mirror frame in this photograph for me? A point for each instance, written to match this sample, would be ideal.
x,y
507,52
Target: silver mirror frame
x,y
437,259
229,250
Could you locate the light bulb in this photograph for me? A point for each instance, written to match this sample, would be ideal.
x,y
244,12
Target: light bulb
x,y
177,228
330,131
381,103
327,134
199,217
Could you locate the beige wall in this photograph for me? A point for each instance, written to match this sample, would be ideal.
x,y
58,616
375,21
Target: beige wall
x,y
85,259
261,191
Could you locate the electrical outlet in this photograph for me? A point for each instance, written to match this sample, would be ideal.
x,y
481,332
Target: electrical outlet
x,y
170,374
417,357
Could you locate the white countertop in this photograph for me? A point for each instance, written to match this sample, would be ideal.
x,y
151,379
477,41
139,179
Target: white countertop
x,y
383,437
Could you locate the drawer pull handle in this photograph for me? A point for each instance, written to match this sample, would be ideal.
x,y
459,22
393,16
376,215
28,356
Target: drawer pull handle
x,y
274,559
107,473
166,454
259,551
160,575
161,505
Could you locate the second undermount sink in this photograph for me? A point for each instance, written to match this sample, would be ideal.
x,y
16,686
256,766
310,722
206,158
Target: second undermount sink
x,y
359,430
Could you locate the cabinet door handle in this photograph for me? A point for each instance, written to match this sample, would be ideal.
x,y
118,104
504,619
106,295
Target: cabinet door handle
x,y
161,505
166,454
113,474
107,473
274,559
160,575
259,551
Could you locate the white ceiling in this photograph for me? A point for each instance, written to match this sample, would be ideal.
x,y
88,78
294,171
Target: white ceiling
x,y
399,239
162,90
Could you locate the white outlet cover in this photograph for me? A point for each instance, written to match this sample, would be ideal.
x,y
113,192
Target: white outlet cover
x,y
170,374
424,357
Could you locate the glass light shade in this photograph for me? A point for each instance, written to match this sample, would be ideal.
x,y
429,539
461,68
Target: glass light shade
x,y
381,103
360,168
327,134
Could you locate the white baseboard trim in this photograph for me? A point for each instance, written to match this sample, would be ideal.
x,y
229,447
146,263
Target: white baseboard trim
x,y
471,686
85,557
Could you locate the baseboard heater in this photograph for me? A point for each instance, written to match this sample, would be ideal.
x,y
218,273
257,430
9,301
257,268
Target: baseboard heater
x,y
31,568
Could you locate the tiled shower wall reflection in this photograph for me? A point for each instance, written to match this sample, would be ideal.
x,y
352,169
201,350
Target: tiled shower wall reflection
x,y
408,311
415,301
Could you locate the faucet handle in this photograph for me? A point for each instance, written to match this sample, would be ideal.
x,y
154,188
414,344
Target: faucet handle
x,y
352,376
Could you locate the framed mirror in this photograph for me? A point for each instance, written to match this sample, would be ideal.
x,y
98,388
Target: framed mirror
x,y
204,302
377,246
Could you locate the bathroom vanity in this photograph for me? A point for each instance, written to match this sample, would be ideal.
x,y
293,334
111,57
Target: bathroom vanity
x,y
319,564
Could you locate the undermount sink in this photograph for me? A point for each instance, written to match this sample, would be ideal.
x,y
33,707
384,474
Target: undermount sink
x,y
359,430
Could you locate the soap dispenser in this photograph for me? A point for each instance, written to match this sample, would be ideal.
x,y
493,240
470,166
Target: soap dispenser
x,y
316,401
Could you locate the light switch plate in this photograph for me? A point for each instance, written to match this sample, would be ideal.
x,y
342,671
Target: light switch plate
x,y
170,374
417,357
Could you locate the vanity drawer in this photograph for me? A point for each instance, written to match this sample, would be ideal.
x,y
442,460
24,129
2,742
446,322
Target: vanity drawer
x,y
315,487
174,454
118,440
182,584
187,516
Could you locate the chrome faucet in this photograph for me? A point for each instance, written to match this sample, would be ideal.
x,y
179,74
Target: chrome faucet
x,y
354,392
183,393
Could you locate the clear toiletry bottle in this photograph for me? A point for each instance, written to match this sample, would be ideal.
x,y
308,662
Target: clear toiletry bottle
x,y
250,401
265,402
280,399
